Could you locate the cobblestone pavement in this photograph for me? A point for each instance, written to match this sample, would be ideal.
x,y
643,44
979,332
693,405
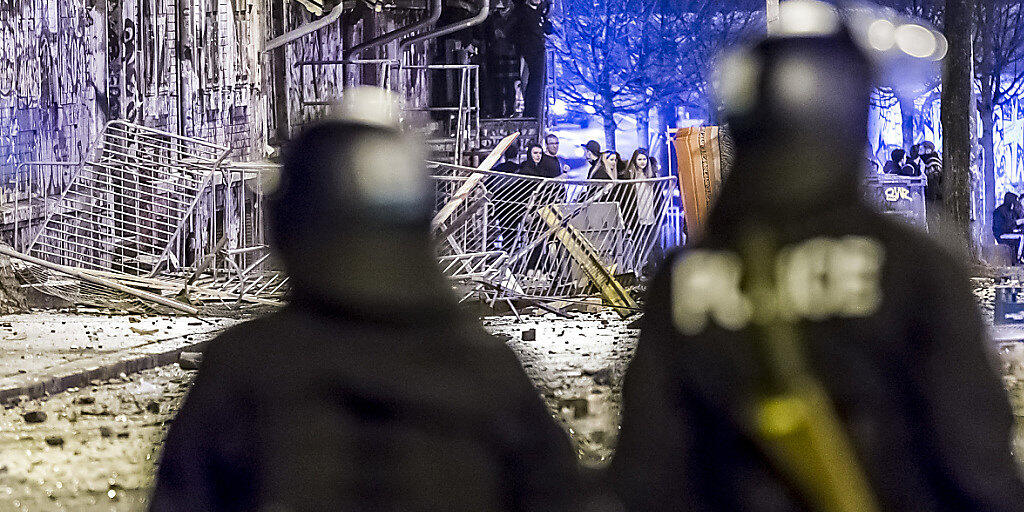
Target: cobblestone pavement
x,y
95,451
97,447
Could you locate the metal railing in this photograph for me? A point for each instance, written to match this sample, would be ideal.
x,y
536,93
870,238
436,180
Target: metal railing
x,y
383,68
124,211
459,124
553,232
455,127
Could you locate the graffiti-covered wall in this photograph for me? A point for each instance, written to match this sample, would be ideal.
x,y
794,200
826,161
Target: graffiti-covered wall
x,y
192,67
52,79
1009,147
887,133
315,77
68,66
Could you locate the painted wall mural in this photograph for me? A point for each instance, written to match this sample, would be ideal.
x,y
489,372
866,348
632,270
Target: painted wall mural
x,y
68,66
886,134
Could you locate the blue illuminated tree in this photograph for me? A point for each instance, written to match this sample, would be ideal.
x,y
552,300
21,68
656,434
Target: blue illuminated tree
x,y
629,56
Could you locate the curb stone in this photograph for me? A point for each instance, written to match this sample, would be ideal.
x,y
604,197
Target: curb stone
x,y
79,373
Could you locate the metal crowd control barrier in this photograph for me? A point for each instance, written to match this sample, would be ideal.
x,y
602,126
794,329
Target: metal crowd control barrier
x,y
28,196
557,236
235,258
899,196
124,211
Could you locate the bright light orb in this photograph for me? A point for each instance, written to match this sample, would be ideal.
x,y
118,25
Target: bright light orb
x,y
941,46
807,17
916,41
882,35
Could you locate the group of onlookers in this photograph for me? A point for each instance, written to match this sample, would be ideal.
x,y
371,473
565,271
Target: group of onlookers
x,y
543,161
922,160
608,165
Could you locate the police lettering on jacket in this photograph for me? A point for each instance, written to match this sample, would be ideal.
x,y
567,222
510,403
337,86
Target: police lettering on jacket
x,y
814,280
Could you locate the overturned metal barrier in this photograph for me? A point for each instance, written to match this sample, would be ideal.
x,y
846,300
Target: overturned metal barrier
x,y
123,211
559,238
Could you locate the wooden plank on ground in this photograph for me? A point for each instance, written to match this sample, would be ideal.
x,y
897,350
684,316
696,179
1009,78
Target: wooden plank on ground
x,y
583,252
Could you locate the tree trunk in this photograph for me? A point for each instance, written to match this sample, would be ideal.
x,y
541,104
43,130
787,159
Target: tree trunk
x,y
907,112
986,111
608,118
643,129
988,147
956,126
667,119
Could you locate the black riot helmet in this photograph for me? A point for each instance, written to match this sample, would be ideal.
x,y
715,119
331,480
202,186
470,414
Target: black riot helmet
x,y
354,171
796,104
350,215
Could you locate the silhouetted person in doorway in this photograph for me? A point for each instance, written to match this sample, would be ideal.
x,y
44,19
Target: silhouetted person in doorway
x,y
807,351
528,28
372,390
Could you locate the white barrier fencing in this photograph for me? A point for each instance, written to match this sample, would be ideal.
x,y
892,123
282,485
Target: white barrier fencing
x,y
522,236
170,215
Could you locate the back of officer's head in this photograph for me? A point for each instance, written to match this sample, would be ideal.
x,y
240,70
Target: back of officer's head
x,y
350,177
796,103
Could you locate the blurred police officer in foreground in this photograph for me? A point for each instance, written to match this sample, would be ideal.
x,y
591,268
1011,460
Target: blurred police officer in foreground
x,y
809,354
372,391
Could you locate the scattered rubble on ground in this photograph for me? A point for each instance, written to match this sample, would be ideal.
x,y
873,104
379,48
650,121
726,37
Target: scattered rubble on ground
x,y
91,449
95,448
577,365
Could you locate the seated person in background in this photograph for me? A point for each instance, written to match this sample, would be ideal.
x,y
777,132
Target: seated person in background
x,y
931,166
898,164
914,159
1007,220
896,160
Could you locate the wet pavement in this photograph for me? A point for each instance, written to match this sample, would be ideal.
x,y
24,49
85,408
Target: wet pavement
x,y
96,449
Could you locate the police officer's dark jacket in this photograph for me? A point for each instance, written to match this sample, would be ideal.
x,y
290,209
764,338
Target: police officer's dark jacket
x,y
883,314
372,391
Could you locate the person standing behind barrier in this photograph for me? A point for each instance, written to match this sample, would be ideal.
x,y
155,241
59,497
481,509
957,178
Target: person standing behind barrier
x,y
550,164
531,166
510,165
505,191
643,167
373,390
607,168
528,30
592,154
810,353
